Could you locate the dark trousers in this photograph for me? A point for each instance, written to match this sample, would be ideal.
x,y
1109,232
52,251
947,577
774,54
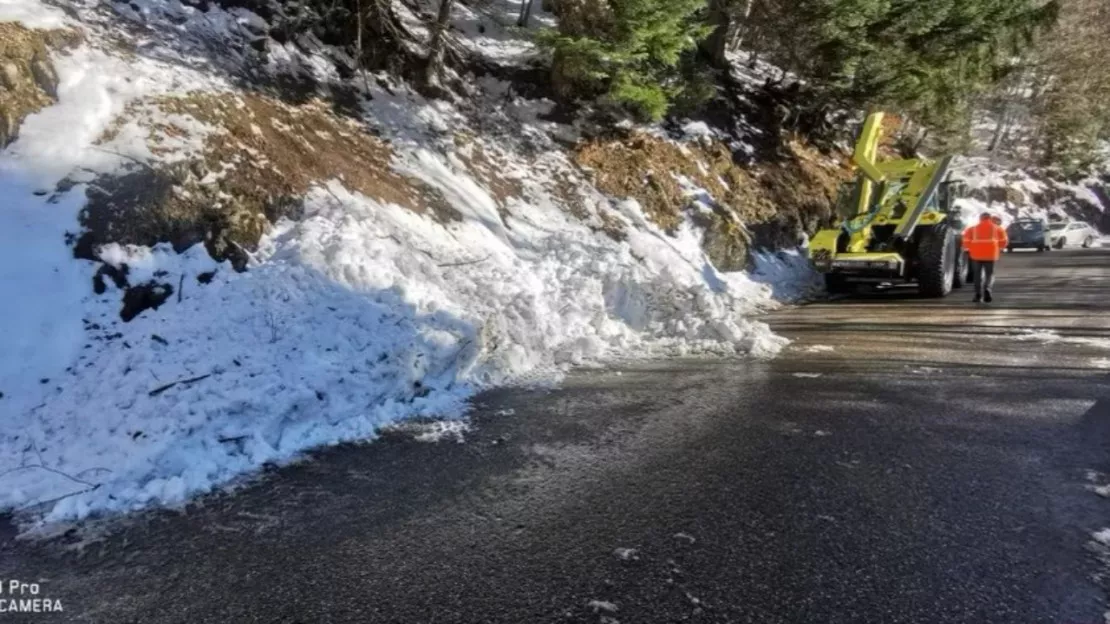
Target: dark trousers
x,y
983,273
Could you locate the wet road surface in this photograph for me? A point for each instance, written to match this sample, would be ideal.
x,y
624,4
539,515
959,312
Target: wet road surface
x,y
904,461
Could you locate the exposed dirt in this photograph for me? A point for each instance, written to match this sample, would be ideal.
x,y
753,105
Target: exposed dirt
x,y
764,205
254,167
28,82
266,144
148,296
487,167
248,162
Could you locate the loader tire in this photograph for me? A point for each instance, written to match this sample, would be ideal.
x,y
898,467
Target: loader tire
x,y
963,271
836,284
936,261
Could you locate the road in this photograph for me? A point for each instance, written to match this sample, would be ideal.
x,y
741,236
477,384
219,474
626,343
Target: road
x,y
904,461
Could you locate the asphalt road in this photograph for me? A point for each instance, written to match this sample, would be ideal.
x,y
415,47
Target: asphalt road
x,y
905,461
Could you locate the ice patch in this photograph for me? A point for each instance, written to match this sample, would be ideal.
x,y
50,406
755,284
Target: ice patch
x,y
818,349
1049,336
431,431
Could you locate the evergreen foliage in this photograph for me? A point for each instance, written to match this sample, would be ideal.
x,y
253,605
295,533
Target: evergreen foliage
x,y
628,52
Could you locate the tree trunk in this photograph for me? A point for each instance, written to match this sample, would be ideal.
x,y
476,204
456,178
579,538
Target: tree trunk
x,y
358,62
922,134
525,13
438,44
715,45
738,36
1000,130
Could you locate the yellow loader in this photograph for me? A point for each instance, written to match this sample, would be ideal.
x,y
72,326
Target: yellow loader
x,y
897,224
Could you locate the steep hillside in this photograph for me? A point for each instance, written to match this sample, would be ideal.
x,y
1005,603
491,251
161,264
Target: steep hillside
x,y
1018,193
224,242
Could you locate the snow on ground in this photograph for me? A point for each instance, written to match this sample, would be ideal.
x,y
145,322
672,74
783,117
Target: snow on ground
x,y
358,316
979,174
31,14
788,273
493,31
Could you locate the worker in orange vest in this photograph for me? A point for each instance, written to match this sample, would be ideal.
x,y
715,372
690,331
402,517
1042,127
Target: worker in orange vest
x,y
984,243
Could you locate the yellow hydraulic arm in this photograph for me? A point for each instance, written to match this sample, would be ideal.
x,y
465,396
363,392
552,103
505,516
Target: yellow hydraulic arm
x,y
910,185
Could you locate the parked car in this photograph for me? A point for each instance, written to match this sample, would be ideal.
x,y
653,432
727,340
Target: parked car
x,y
1028,234
1072,234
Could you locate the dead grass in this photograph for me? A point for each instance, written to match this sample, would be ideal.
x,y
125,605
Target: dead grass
x,y
254,168
643,167
487,167
766,205
28,82
270,149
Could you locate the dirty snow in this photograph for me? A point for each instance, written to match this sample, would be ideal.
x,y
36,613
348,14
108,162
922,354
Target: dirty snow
x,y
358,316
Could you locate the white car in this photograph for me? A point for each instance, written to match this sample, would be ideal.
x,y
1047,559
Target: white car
x,y
1072,234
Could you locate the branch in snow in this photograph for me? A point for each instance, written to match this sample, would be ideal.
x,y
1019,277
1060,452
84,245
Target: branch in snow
x,y
61,498
161,389
125,156
55,471
465,263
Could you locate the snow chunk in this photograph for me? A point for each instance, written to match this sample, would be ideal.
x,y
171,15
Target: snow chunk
x,y
626,554
1102,537
601,606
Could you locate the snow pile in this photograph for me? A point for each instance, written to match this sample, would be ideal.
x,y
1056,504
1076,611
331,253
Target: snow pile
x,y
356,316
788,273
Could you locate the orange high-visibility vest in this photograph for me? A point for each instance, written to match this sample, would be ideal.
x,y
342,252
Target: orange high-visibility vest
x,y
985,241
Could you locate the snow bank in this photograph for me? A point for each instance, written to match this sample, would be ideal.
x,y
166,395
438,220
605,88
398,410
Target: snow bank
x,y
359,315
342,327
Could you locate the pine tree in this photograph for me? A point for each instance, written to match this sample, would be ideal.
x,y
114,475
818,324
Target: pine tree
x,y
438,45
924,58
1070,108
625,51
